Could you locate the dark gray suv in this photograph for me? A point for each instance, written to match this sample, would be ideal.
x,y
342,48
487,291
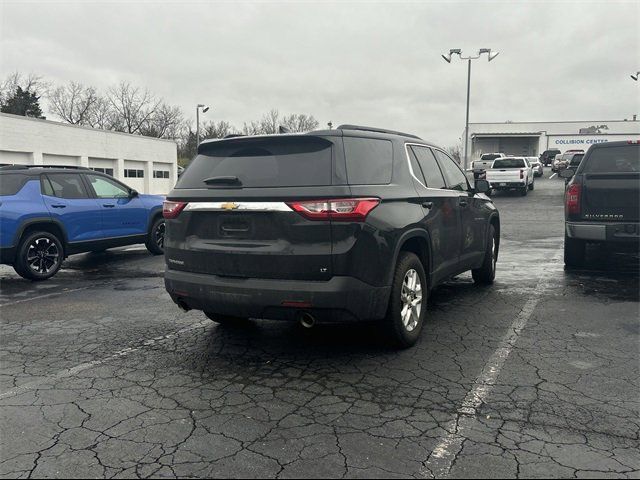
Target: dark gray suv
x,y
336,225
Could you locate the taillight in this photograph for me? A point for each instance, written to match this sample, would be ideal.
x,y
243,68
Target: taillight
x,y
172,209
341,210
572,199
521,174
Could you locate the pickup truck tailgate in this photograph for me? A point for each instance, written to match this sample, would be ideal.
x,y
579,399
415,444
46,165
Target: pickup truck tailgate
x,y
611,196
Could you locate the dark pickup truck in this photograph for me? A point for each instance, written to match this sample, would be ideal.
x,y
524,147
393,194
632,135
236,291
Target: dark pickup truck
x,y
602,200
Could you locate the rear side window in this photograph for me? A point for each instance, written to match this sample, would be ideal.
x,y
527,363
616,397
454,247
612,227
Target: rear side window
x,y
509,163
64,185
369,161
11,183
429,167
272,162
622,159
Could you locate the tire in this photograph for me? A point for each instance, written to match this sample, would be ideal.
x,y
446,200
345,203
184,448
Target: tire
x,y
574,252
489,192
225,319
486,274
409,287
39,256
524,190
155,237
531,187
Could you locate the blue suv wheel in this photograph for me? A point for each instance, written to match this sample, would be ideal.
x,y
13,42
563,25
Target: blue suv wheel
x,y
39,256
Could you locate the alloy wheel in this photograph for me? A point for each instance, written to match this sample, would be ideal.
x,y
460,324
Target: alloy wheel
x,y
158,234
42,255
411,296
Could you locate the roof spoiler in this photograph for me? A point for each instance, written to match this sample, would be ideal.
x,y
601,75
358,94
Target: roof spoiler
x,y
377,130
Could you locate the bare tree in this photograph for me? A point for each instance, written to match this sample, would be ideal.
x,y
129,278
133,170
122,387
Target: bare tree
x,y
299,122
252,128
133,106
29,83
102,115
218,130
270,122
165,122
73,102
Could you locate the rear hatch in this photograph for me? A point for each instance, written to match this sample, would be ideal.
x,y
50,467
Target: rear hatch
x,y
238,220
611,184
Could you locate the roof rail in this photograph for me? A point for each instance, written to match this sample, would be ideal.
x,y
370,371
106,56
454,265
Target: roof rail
x,y
27,167
234,135
378,130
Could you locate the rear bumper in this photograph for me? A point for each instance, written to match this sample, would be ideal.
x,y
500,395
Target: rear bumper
x,y
506,185
8,255
627,232
338,299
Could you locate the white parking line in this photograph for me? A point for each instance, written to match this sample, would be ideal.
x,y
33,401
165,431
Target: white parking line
x,y
47,295
69,372
441,459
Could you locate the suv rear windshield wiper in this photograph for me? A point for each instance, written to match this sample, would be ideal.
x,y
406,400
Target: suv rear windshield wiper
x,y
223,180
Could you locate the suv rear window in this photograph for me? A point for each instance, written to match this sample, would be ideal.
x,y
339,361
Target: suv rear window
x,y
11,183
622,159
509,163
369,161
268,162
490,156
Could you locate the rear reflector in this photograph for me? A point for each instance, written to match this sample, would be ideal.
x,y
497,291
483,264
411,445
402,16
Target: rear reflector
x,y
572,199
172,209
296,304
341,210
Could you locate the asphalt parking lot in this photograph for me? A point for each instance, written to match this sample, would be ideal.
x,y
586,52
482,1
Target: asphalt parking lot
x,y
536,376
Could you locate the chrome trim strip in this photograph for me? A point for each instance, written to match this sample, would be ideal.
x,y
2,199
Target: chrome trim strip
x,y
239,206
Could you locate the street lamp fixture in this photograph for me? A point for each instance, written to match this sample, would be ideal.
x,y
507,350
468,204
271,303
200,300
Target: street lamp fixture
x,y
204,110
490,56
635,77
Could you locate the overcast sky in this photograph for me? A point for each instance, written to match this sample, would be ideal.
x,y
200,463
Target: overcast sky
x,y
368,63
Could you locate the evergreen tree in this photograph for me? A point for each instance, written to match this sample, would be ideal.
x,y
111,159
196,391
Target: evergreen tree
x,y
23,102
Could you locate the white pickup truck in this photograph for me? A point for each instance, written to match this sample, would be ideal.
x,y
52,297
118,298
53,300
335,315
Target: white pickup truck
x,y
480,167
511,173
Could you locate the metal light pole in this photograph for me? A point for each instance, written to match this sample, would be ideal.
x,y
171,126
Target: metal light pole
x,y
204,110
447,58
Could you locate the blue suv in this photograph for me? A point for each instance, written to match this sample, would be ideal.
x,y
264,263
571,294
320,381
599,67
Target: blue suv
x,y
49,212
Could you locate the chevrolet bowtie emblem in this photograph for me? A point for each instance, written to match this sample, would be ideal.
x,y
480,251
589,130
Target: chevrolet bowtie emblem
x,y
230,206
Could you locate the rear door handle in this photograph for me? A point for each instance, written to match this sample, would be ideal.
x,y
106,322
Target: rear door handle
x,y
58,205
108,205
427,204
463,202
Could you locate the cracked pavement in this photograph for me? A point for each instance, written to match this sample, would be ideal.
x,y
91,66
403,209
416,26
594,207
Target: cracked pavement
x,y
101,375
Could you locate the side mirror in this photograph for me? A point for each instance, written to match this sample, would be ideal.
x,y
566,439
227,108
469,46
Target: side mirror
x,y
133,194
567,173
482,186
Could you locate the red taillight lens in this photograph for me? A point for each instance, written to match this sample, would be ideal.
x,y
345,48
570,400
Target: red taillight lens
x,y
341,210
572,199
521,174
172,209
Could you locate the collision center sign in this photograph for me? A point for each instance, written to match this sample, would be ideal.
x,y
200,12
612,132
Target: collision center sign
x,y
584,141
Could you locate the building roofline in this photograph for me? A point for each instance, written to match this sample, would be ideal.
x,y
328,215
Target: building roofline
x,y
559,121
83,127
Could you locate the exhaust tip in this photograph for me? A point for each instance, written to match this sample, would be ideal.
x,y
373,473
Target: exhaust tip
x,y
182,305
307,320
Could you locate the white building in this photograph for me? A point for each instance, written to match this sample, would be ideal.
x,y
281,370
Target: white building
x,y
533,138
147,164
